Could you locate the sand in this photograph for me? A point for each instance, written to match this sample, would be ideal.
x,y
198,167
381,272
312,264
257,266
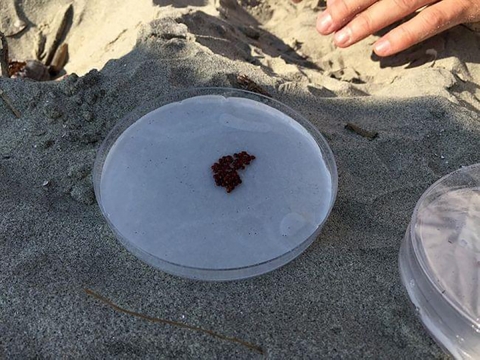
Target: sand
x,y
342,298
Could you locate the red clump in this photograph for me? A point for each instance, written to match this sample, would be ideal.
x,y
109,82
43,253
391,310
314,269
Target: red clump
x,y
225,169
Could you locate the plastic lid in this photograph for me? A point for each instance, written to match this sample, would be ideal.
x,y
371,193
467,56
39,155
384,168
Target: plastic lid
x,y
154,184
440,261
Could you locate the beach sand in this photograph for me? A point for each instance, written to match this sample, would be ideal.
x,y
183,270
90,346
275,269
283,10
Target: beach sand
x,y
342,298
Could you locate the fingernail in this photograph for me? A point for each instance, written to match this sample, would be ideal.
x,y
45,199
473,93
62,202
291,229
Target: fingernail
x,y
324,23
382,47
342,37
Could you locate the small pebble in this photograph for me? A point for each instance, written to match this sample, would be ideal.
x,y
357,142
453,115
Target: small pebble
x,y
19,24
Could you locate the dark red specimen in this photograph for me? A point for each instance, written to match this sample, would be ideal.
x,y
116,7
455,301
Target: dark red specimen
x,y
225,169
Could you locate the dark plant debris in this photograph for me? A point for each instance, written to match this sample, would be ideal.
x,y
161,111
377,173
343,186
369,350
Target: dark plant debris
x,y
174,323
248,84
4,55
55,59
225,170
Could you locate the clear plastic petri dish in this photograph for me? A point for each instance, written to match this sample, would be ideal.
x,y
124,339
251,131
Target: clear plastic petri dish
x,y
440,262
154,184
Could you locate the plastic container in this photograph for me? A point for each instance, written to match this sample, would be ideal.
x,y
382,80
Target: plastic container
x,y
154,184
440,262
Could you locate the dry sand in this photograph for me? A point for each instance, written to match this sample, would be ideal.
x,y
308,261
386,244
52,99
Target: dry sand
x,y
342,298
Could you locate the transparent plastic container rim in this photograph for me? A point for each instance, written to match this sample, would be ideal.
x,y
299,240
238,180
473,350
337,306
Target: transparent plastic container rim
x,y
419,254
178,96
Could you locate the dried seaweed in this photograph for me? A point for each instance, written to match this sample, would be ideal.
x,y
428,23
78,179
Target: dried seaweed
x,y
174,323
248,84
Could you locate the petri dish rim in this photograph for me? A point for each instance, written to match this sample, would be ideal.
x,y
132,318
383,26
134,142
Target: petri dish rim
x,y
420,252
217,273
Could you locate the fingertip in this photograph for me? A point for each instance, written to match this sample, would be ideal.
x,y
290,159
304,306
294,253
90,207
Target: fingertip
x,y
324,23
382,47
343,37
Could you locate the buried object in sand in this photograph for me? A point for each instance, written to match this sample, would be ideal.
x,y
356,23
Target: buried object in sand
x,y
153,182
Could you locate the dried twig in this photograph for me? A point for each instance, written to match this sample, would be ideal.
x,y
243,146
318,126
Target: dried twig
x,y
8,102
39,48
59,60
174,323
4,55
362,132
248,84
67,15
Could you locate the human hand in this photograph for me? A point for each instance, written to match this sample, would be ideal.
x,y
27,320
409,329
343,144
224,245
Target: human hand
x,y
354,20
